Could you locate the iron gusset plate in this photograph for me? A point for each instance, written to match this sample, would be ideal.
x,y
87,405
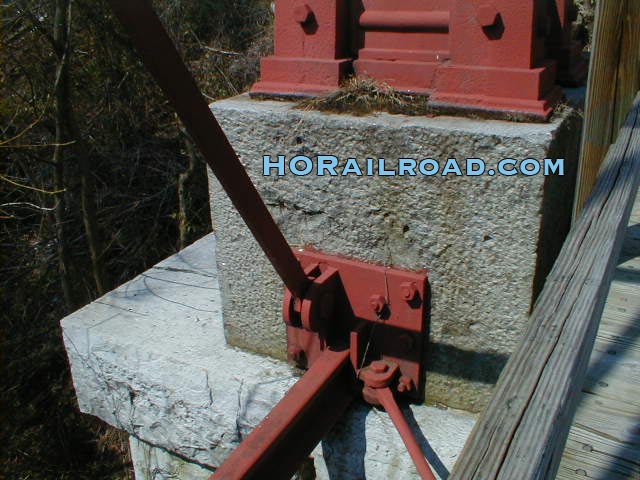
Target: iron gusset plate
x,y
398,332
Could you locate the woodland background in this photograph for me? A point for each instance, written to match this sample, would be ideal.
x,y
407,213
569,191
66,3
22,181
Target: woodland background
x,y
98,182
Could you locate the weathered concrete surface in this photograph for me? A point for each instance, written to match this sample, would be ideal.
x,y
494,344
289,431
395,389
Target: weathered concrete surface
x,y
151,358
153,463
488,241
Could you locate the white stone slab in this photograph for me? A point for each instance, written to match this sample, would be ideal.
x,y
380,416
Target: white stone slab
x,y
151,358
153,463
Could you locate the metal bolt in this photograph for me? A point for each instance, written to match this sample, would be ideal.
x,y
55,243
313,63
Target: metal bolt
x,y
377,302
379,366
487,15
409,290
302,13
405,384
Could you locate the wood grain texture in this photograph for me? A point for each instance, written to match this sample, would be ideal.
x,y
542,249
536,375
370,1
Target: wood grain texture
x,y
604,440
614,79
522,433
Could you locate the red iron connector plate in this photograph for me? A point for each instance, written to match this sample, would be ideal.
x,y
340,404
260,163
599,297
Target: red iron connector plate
x,y
379,312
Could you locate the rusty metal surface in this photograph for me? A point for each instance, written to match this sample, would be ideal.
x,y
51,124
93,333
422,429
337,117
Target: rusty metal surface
x,y
381,312
277,446
312,48
165,64
378,379
502,55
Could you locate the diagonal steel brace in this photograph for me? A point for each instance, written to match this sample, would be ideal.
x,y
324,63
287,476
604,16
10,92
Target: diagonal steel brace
x,y
308,411
161,58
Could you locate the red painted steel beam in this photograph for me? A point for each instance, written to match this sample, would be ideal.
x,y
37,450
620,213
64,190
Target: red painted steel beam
x,y
276,448
165,64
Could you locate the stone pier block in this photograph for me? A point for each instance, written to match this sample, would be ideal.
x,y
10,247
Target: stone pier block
x,y
488,241
150,358
155,463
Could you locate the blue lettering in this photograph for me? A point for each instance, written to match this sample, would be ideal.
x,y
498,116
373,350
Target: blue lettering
x,y
451,167
351,167
428,161
267,165
293,165
327,162
478,163
529,172
503,171
407,166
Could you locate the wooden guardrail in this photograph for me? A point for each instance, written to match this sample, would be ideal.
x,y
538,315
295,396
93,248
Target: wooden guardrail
x,y
614,79
522,433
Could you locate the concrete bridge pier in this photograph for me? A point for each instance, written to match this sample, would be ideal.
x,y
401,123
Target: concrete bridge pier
x,y
188,357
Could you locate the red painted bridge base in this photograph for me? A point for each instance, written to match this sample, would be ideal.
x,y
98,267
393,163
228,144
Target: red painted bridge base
x,y
496,55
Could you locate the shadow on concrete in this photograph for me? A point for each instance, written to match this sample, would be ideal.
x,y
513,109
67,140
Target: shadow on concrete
x,y
349,464
452,361
432,457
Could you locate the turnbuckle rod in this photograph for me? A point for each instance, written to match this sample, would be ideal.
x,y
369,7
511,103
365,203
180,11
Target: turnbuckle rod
x,y
162,59
387,400
275,449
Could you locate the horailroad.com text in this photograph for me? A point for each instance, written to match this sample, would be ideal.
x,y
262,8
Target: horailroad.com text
x,y
330,165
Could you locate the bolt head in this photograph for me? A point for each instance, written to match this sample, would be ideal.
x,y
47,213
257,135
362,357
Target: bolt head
x,y
487,15
409,290
405,384
302,13
377,302
379,366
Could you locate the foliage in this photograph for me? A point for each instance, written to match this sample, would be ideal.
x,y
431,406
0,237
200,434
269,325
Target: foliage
x,y
586,19
124,142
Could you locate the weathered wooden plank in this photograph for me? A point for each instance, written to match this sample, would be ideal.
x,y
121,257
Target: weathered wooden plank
x,y
616,420
614,78
624,294
617,346
621,382
589,455
620,326
522,432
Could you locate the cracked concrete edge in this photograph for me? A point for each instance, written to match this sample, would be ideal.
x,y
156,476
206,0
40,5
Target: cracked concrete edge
x,y
154,463
151,358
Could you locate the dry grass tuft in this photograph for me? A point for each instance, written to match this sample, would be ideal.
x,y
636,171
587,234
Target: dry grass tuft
x,y
363,96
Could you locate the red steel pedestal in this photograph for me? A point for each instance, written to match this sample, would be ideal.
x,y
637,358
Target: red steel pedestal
x,y
311,49
496,55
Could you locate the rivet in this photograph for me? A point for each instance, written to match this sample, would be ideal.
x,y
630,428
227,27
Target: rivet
x,y
302,13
